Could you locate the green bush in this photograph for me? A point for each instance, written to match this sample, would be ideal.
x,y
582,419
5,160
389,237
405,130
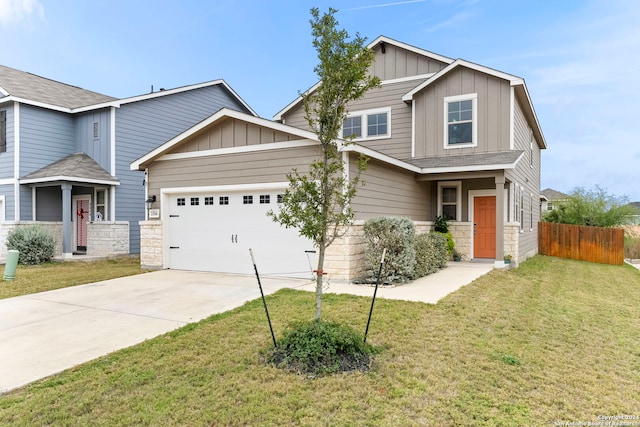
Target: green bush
x,y
449,241
431,253
321,347
34,242
397,235
440,224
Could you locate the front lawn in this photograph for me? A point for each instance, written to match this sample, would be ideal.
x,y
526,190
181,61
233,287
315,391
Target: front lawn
x,y
54,275
553,341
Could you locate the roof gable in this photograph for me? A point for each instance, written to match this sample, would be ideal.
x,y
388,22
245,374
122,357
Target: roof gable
x,y
256,128
76,167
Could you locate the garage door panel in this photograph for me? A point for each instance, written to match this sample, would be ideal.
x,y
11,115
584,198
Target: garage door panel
x,y
217,236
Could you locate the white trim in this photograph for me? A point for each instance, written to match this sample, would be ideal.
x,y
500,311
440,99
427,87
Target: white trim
x,y
3,208
112,141
407,79
512,112
16,161
473,97
95,203
224,188
7,181
473,168
382,157
33,204
513,80
67,178
238,150
451,184
222,113
3,91
112,203
37,104
413,128
364,123
422,52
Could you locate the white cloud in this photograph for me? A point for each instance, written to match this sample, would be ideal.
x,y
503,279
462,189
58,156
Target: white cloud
x,y
20,12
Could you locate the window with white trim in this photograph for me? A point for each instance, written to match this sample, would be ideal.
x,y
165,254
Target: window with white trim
x,y
101,205
530,212
531,149
516,203
461,124
369,124
521,209
450,200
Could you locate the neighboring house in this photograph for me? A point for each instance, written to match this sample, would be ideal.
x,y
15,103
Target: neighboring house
x,y
550,198
65,155
634,219
444,137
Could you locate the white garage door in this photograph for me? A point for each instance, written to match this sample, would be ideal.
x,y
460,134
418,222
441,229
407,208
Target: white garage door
x,y
214,231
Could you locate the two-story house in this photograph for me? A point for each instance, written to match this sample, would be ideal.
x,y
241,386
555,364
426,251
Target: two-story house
x,y
65,155
444,137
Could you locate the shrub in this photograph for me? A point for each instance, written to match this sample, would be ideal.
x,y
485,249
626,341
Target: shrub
x,y
321,347
441,225
397,236
34,242
431,253
449,241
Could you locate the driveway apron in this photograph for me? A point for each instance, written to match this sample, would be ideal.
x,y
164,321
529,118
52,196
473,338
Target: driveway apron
x,y
46,333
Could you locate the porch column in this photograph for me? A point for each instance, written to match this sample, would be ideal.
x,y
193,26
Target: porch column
x,y
67,232
500,204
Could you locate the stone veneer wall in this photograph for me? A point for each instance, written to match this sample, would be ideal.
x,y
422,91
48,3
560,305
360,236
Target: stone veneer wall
x,y
461,233
151,256
54,227
511,240
107,238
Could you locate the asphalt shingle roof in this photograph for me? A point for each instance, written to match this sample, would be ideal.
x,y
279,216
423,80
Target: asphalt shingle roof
x,y
75,167
35,88
466,160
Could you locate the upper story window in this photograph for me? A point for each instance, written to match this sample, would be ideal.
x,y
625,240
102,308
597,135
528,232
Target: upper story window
x,y
369,124
461,122
3,131
96,130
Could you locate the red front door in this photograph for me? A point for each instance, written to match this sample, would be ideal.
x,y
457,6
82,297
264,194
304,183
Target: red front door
x,y
484,235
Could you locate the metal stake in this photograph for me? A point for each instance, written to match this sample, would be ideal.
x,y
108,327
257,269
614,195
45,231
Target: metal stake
x,y
264,301
384,252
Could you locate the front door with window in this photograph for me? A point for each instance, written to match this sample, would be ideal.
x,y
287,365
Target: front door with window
x,y
80,220
484,226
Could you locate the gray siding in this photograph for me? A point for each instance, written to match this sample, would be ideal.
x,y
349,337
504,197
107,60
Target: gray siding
x,y
45,136
9,201
527,177
143,126
397,63
97,148
49,207
493,103
389,190
232,169
232,133
6,159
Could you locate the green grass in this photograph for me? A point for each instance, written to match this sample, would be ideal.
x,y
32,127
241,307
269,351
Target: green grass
x,y
54,275
552,341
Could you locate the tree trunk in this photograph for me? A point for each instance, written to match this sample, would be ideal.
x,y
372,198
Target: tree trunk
x,y
319,277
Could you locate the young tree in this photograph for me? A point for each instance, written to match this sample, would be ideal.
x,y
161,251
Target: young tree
x,y
317,203
591,207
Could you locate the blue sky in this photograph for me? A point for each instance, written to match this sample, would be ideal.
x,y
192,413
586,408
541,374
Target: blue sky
x,y
580,59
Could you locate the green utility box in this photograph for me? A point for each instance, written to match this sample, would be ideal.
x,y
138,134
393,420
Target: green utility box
x,y
11,265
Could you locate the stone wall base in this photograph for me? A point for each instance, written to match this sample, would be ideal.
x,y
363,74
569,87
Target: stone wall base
x,y
151,256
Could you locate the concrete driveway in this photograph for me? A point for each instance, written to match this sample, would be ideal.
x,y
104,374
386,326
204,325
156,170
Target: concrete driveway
x,y
45,333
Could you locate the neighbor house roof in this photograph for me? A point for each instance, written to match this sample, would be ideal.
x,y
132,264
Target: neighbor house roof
x,y
77,167
552,194
28,86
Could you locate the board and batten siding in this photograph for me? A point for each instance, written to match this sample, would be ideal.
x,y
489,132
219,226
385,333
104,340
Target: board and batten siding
x,y
397,63
526,175
99,148
45,136
229,169
144,125
493,104
389,190
232,133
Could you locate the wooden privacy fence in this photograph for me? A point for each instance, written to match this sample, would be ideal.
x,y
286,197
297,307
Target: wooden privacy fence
x,y
594,244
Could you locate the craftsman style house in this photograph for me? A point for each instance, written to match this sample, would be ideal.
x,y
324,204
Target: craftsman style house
x,y
65,155
444,137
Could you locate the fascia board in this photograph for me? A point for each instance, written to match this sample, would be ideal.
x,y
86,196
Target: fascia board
x,y
62,178
223,113
36,104
4,92
381,157
422,52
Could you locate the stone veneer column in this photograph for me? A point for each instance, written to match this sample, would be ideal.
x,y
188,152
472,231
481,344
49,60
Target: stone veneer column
x,y
151,255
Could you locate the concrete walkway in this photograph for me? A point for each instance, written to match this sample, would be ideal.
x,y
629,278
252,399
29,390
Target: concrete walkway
x,y
45,333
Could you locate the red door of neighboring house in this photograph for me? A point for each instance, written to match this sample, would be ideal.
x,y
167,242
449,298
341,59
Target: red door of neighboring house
x,y
484,219
82,217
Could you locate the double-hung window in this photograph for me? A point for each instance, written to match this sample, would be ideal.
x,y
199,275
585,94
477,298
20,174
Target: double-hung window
x,y
450,200
461,124
370,124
